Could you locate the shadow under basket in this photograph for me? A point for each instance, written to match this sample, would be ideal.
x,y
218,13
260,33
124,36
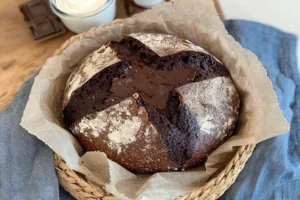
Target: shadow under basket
x,y
81,189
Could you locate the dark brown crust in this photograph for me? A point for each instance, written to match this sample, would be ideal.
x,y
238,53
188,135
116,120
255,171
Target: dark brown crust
x,y
206,145
83,101
176,125
93,95
136,157
141,162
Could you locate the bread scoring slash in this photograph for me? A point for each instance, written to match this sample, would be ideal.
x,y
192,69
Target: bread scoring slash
x,y
151,102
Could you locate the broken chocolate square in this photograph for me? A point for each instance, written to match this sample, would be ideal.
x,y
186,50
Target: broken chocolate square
x,y
37,9
43,23
43,27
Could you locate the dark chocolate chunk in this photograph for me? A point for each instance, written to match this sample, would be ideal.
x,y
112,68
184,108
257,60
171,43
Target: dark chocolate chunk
x,y
42,22
43,27
37,9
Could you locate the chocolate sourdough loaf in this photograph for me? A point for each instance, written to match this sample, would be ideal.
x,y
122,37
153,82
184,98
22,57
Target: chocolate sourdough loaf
x,y
151,102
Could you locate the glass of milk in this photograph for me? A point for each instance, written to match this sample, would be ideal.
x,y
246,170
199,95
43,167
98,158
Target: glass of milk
x,y
81,15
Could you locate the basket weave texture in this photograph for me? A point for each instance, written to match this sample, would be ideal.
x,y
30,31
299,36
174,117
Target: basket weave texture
x,y
81,189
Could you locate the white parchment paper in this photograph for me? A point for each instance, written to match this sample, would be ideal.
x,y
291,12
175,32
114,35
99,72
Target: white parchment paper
x,y
197,21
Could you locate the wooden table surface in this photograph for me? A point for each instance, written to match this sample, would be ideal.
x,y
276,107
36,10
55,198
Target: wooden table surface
x,y
20,55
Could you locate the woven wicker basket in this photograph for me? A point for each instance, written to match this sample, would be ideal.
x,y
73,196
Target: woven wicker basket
x,y
81,189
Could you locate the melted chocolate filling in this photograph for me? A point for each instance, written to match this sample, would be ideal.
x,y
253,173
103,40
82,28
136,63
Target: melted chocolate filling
x,y
154,78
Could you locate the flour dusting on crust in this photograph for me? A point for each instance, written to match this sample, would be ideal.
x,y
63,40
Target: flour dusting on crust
x,y
125,131
210,102
91,65
121,124
165,45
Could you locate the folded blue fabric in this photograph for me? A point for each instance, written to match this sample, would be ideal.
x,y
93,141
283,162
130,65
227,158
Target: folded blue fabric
x,y
26,166
272,172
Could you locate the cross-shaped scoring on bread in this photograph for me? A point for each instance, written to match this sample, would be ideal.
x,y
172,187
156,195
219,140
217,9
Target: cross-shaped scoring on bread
x,y
151,102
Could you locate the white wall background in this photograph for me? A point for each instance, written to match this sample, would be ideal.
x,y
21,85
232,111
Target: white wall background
x,y
282,14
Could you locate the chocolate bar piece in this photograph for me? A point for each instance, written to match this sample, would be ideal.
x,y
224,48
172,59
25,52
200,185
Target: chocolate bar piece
x,y
43,23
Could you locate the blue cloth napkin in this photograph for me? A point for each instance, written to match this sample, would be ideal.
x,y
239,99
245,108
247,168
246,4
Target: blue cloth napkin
x,y
272,172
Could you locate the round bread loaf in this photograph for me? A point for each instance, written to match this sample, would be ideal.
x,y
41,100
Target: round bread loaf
x,y
151,102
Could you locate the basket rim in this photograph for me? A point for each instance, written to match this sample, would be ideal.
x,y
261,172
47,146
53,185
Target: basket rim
x,y
213,189
82,189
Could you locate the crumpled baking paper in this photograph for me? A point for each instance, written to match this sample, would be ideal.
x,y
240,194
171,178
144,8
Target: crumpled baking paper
x,y
197,21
